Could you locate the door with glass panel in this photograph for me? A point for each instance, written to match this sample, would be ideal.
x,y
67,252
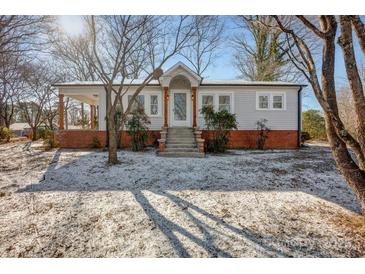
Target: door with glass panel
x,y
180,108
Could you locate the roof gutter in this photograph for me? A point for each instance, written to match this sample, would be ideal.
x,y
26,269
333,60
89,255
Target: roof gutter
x,y
201,84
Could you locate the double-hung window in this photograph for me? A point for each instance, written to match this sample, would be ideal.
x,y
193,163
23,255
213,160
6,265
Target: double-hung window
x,y
270,101
138,102
154,105
207,100
277,101
224,102
264,100
219,101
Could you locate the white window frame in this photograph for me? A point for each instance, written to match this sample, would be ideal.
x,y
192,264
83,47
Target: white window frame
x,y
230,100
131,94
215,100
147,102
271,101
159,104
200,101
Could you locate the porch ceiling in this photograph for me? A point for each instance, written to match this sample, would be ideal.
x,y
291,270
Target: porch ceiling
x,y
88,99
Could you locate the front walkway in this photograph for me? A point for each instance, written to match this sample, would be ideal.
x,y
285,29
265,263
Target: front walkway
x,y
244,204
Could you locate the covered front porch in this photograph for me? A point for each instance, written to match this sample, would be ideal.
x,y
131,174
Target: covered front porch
x,y
88,116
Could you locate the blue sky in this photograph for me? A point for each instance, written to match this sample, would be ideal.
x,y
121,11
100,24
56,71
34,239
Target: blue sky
x,y
223,68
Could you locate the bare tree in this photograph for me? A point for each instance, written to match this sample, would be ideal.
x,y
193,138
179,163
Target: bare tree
x,y
70,52
50,109
20,38
11,83
262,57
207,38
125,47
323,85
23,33
346,110
346,105
36,95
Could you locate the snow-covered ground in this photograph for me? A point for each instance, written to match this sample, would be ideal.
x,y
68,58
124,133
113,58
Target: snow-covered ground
x,y
69,203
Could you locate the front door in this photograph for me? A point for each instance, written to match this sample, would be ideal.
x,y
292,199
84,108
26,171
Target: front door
x,y
180,112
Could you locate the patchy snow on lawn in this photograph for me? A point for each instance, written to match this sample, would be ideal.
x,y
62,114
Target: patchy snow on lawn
x,y
69,203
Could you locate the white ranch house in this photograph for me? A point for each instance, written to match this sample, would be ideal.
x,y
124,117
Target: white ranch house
x,y
173,104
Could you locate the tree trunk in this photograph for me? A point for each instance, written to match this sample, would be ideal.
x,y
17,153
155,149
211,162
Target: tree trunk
x,y
353,175
34,133
2,120
7,123
113,143
345,41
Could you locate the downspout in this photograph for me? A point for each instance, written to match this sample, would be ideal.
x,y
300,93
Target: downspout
x,y
299,117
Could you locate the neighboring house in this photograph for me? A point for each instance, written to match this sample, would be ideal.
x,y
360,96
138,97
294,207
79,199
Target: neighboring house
x,y
21,129
175,101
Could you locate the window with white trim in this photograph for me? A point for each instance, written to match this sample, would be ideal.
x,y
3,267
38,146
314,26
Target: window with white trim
x,y
154,105
207,100
224,102
270,101
277,101
264,101
219,101
138,102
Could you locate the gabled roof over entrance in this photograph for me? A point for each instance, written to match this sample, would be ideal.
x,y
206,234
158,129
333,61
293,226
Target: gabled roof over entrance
x,y
180,69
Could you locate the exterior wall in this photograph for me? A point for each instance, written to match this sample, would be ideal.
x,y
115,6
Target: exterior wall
x,y
84,138
244,106
156,121
246,139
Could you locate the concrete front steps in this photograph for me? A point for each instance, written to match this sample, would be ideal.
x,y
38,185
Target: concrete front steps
x,y
179,142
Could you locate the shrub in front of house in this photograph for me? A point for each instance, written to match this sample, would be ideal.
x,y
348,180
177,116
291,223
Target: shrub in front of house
x,y
42,133
137,126
95,143
219,123
5,134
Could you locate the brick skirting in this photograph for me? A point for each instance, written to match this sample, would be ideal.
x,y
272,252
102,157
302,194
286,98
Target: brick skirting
x,y
84,138
277,139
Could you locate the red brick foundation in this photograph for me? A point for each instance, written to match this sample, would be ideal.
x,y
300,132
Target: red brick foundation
x,y
277,139
246,139
84,138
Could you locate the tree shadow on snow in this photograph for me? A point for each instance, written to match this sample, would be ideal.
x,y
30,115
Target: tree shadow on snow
x,y
149,173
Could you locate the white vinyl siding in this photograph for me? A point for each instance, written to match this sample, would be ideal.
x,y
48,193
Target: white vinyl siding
x,y
245,106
